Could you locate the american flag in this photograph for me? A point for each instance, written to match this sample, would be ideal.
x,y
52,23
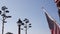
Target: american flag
x,y
53,26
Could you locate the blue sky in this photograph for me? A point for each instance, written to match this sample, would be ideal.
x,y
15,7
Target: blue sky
x,y
30,9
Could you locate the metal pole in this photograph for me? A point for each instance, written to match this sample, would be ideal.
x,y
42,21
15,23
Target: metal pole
x,y
26,29
19,32
3,25
2,28
59,14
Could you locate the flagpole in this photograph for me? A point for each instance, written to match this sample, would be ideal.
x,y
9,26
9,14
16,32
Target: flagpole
x,y
59,13
58,6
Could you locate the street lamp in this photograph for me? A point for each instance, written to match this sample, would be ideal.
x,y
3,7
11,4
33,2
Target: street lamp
x,y
19,22
27,25
3,14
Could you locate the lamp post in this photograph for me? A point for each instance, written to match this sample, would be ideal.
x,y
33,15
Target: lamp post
x,y
4,16
19,22
27,25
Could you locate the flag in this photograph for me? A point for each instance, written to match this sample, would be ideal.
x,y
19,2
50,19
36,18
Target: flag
x,y
53,26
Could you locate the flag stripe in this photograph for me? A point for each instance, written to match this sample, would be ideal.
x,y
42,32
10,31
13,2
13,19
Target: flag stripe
x,y
52,31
